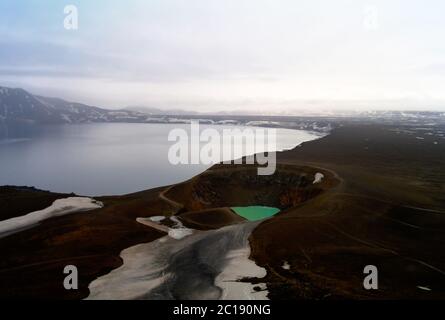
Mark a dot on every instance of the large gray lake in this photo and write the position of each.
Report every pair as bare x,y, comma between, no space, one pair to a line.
102,159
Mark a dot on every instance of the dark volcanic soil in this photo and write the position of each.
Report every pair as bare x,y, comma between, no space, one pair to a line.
382,203
389,211
18,201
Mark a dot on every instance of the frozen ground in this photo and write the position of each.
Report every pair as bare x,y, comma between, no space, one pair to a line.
203,265
60,207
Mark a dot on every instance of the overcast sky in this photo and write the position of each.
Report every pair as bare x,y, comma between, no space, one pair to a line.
209,55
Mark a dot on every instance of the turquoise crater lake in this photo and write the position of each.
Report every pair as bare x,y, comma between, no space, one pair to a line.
254,213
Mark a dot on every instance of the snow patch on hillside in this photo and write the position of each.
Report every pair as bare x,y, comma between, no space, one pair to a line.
318,177
59,207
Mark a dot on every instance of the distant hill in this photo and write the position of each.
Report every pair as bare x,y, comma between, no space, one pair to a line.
155,111
20,106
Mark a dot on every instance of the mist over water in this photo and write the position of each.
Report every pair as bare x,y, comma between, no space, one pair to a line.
102,159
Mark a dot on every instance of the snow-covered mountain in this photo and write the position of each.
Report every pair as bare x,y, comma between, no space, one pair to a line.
20,106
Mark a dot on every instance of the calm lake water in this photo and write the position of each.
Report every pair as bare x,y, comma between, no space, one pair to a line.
102,159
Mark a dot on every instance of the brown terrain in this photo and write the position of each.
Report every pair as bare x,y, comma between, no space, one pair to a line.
381,202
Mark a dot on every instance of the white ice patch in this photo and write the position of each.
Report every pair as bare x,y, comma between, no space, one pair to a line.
140,273
286,265
178,223
66,118
167,268
239,266
424,288
59,207
318,177
157,218
180,233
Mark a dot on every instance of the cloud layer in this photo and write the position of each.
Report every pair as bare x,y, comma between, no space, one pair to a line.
250,54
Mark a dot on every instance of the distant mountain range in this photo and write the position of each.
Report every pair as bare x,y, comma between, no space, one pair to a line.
156,112
18,106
